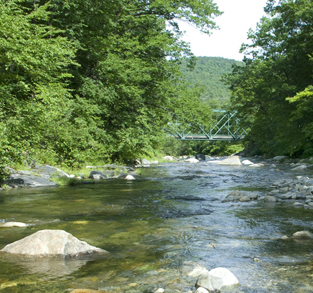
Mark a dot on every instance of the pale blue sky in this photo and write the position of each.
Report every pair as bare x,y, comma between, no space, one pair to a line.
239,16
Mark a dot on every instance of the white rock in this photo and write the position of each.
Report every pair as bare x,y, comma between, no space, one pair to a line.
193,269
130,177
192,160
12,224
216,279
145,162
168,158
231,161
49,243
303,235
299,168
160,290
71,176
201,290
257,165
246,163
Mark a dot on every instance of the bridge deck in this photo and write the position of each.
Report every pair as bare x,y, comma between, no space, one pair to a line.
214,138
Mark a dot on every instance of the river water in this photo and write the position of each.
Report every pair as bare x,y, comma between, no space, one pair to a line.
174,213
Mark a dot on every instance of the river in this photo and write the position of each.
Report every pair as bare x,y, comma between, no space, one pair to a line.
151,226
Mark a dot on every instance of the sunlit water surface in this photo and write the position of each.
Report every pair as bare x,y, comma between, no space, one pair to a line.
172,214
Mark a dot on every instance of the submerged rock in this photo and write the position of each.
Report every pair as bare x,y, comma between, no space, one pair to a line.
233,196
270,198
49,243
193,269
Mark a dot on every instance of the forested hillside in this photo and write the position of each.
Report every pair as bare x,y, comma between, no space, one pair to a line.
83,81
273,92
207,73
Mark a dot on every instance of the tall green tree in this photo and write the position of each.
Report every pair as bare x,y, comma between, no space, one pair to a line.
34,64
129,65
277,66
90,80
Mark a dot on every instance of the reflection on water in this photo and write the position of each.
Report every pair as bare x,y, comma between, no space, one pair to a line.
151,226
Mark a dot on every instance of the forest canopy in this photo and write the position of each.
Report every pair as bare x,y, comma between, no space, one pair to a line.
93,80
274,90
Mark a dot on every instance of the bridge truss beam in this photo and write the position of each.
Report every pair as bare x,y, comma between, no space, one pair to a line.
225,129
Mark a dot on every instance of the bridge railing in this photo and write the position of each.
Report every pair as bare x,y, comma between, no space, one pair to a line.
226,128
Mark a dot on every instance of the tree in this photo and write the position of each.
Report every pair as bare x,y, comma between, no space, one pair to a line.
34,64
277,66
93,80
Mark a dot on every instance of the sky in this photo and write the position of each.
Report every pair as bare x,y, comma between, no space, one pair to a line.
238,17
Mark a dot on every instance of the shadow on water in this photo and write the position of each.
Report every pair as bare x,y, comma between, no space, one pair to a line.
151,226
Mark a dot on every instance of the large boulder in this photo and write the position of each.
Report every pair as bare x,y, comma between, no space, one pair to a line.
51,243
216,279
200,157
97,175
231,161
18,180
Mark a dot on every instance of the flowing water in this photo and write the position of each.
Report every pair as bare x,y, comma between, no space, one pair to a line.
174,213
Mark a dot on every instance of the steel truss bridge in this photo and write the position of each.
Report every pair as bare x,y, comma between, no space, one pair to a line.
225,129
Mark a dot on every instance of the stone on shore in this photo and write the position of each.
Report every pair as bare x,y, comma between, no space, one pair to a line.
216,279
231,161
145,162
280,158
18,180
246,163
192,160
130,177
97,175
51,243
86,291
12,224
299,168
168,158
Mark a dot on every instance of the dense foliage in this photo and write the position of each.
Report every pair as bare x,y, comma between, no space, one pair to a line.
274,89
207,74
93,80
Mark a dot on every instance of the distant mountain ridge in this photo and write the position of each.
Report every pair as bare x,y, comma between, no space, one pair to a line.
207,73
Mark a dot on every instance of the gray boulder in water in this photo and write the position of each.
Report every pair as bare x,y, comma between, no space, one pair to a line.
51,243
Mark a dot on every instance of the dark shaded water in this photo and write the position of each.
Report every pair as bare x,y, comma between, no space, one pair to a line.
151,226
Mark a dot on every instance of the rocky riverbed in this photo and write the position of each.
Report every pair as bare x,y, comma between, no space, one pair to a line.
174,223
